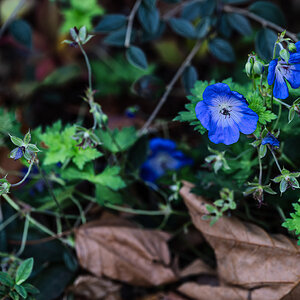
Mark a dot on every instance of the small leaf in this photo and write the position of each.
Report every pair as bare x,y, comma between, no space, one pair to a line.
149,18
22,33
27,138
150,3
111,22
117,38
82,34
14,295
283,185
222,50
136,57
183,27
262,151
16,141
268,11
21,291
24,271
264,43
31,289
239,23
33,148
189,78
6,279
202,28
191,10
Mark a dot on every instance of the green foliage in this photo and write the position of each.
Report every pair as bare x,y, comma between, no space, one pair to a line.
293,223
8,124
120,72
118,140
80,14
61,147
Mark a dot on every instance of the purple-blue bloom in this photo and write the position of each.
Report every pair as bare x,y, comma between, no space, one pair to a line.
164,156
17,153
279,70
225,113
271,140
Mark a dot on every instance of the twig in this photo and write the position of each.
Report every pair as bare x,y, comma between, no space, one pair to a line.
170,87
12,16
262,21
130,22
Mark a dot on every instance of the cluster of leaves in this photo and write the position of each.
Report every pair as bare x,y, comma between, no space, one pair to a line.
12,282
293,223
8,123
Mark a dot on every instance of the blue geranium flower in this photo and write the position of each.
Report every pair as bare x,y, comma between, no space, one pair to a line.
271,140
279,70
164,156
225,113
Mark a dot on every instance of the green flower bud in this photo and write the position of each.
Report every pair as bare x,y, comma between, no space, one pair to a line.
292,47
249,68
258,68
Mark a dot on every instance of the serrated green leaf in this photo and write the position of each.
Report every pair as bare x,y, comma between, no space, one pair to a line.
6,279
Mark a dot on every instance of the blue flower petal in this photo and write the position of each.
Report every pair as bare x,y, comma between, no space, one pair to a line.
298,46
227,135
280,90
203,114
293,76
271,71
248,122
19,153
158,144
148,173
294,58
271,140
239,96
215,91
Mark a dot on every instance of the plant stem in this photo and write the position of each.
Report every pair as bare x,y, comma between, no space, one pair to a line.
8,221
278,117
88,66
24,237
130,23
260,168
25,177
282,103
281,213
170,87
275,159
262,21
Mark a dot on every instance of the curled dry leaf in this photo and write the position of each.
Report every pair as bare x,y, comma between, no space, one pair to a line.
136,256
93,288
197,267
247,256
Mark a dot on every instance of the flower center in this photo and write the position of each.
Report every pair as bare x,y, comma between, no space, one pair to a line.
225,111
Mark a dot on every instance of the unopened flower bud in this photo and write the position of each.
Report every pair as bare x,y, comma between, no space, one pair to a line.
258,68
249,68
292,47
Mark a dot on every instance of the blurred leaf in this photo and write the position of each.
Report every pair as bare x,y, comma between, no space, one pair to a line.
104,194
169,52
6,279
24,271
268,11
208,7
118,140
62,75
264,43
222,50
239,23
202,28
22,33
135,256
183,27
117,38
21,291
8,6
149,18
137,57
110,23
189,78
149,87
191,10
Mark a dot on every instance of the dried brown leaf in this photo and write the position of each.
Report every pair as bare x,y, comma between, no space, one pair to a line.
247,256
197,267
136,256
93,288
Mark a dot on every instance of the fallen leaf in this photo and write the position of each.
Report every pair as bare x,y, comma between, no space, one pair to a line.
197,267
161,296
247,256
132,255
93,288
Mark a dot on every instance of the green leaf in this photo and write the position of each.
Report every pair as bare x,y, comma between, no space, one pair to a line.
149,18
27,138
110,178
82,156
111,22
268,11
118,140
136,57
31,289
106,195
222,50
21,291
117,38
6,279
239,23
24,271
283,185
14,295
262,151
202,28
189,78
22,32
293,223
183,27
16,141
264,43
